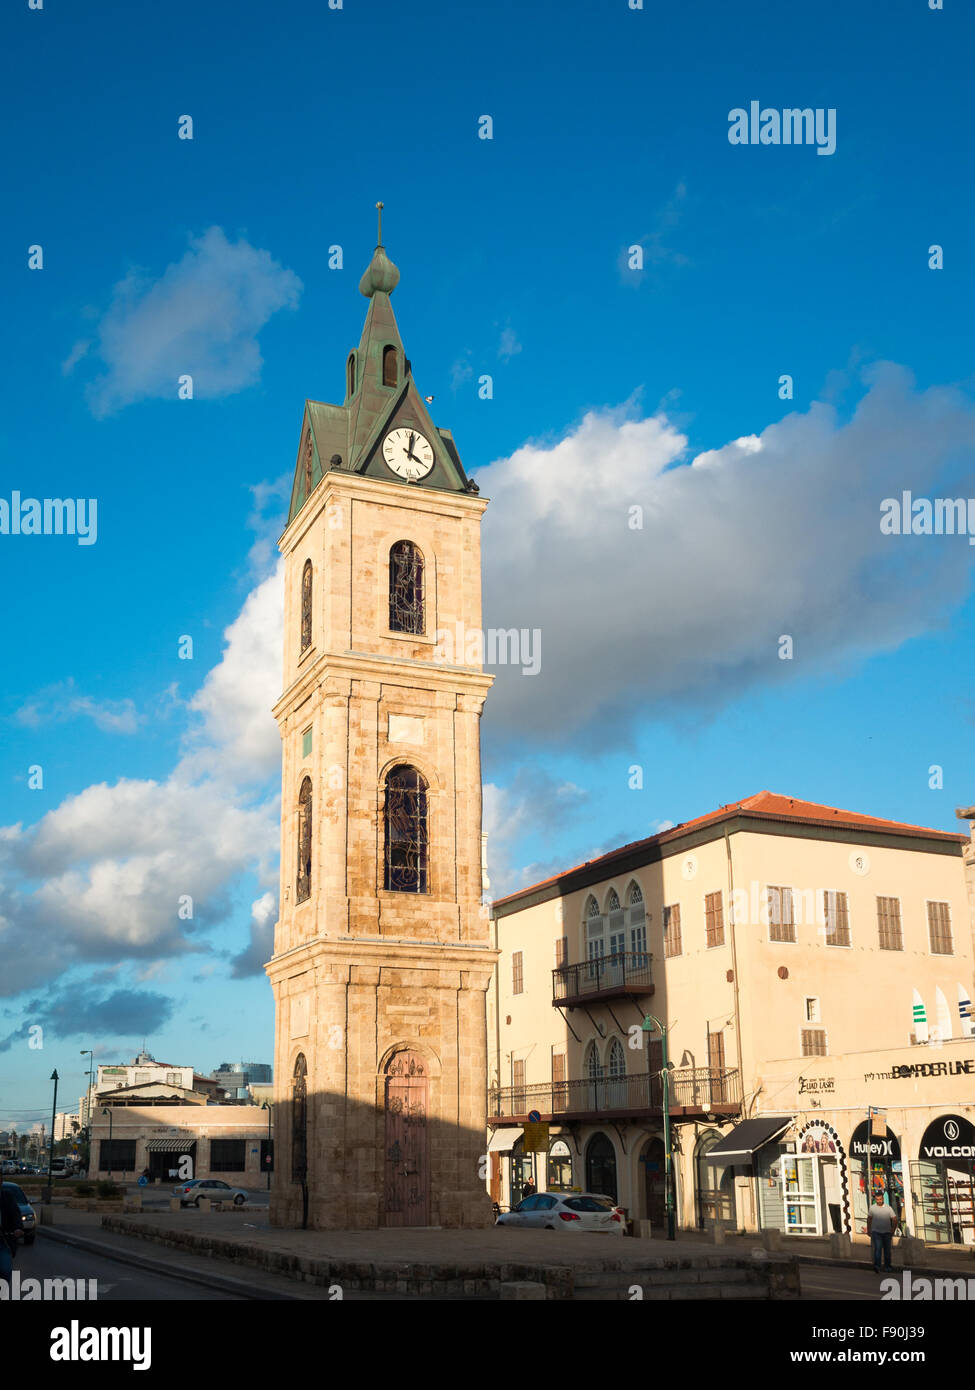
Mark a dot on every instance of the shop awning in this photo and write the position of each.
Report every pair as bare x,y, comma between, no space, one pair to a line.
503,1140
740,1145
169,1146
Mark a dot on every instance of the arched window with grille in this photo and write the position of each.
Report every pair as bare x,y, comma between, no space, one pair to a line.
389,366
303,883
306,588
299,1120
595,941
406,831
636,923
593,1068
406,597
616,1085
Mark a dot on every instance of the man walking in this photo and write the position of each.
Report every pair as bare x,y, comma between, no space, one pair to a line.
882,1222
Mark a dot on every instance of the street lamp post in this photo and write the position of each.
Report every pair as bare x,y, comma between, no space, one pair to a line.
267,1156
107,1110
89,1053
649,1024
50,1157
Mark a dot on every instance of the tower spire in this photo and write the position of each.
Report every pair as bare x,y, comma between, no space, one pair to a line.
379,209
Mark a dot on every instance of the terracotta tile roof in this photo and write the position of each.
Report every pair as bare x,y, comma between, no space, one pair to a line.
764,805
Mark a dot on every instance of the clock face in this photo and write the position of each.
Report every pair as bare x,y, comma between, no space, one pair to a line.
408,454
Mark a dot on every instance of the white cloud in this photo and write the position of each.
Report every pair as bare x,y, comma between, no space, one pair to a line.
509,346
238,741
61,702
201,318
774,534
103,875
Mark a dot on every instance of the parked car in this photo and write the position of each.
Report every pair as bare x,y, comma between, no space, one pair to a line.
28,1220
189,1193
567,1211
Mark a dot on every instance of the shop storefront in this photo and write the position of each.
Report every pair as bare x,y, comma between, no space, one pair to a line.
943,1182
875,1166
814,1183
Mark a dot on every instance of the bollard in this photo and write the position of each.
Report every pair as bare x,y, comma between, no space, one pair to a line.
204,1204
840,1245
174,1204
47,1214
718,1233
772,1240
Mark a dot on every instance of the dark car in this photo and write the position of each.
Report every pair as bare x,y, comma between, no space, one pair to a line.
28,1221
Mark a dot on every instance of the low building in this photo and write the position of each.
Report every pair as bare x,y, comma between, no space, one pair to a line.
810,966
180,1137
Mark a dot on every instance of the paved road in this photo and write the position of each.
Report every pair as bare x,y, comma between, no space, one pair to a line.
820,1282
116,1282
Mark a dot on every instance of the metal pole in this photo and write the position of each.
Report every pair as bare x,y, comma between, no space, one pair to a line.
668,1162
50,1157
267,1156
108,1111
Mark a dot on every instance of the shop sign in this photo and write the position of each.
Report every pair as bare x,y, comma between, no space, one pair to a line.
950,1136
961,1067
816,1139
863,1145
817,1085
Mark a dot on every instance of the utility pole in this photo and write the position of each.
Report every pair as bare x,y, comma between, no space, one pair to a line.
50,1158
649,1024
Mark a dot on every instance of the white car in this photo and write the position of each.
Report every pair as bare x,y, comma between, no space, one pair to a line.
189,1193
567,1211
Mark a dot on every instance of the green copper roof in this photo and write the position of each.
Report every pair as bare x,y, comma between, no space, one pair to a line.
380,274
349,436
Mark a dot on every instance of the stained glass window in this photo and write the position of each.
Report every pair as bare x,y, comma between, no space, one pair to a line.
406,831
405,588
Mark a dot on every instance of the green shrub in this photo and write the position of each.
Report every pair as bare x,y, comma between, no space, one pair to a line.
84,1189
107,1188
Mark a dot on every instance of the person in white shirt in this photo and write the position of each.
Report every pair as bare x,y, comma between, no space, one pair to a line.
882,1222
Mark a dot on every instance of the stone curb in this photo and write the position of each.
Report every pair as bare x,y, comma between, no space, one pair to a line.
221,1282
477,1278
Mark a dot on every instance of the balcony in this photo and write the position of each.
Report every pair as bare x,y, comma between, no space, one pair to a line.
693,1090
604,977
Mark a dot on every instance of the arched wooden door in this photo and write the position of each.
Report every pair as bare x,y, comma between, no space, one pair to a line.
407,1162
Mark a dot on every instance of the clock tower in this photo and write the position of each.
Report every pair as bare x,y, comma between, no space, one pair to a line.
382,950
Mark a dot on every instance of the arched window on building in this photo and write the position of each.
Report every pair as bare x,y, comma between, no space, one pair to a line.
406,588
559,1167
615,1087
389,366
306,584
299,1120
406,831
615,940
595,942
350,375
593,1070
636,923
303,884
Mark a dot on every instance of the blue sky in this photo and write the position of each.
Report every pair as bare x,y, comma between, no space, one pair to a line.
659,645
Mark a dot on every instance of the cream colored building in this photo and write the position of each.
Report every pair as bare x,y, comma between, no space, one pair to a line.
808,964
181,1138
382,951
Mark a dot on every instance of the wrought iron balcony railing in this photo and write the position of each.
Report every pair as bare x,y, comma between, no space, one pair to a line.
626,972
692,1089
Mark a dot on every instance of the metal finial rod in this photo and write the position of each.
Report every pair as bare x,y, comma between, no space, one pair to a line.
379,209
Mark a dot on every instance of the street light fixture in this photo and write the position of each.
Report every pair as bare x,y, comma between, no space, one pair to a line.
651,1024
107,1110
267,1156
50,1155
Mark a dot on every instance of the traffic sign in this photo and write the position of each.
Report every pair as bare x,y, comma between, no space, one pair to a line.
534,1117
536,1139
143,1181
